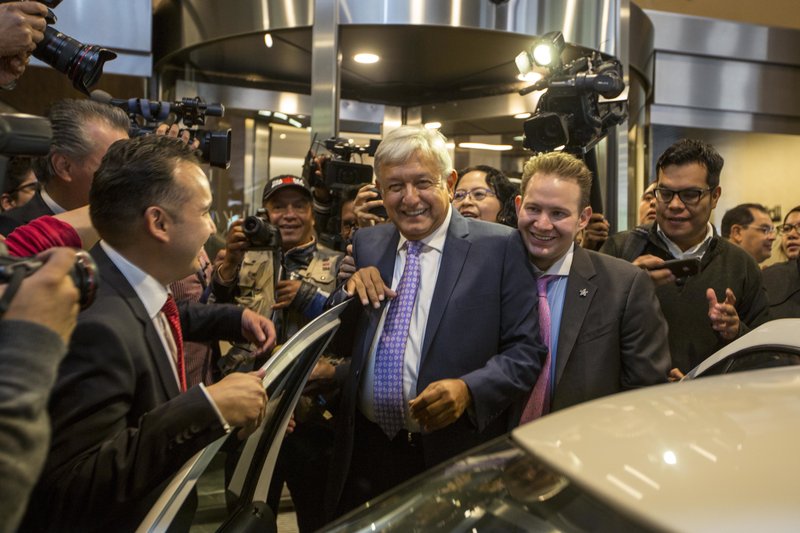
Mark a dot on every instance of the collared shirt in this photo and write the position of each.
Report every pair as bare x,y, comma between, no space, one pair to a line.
697,250
54,207
556,291
430,260
153,295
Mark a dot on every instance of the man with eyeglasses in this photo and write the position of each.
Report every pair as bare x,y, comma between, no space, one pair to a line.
20,183
726,298
749,227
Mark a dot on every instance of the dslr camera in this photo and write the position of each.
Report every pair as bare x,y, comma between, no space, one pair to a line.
145,115
260,233
82,63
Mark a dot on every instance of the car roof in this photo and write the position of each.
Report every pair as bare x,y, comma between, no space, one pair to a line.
713,454
782,333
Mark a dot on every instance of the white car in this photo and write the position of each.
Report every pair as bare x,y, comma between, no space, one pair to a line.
702,455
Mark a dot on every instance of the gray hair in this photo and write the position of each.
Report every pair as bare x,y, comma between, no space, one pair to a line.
403,143
68,118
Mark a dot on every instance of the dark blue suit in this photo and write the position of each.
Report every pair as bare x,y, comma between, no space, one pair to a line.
482,328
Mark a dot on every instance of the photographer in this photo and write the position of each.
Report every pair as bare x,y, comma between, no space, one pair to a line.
34,332
309,268
22,27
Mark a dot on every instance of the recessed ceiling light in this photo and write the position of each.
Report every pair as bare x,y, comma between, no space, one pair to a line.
268,40
265,113
522,116
366,58
530,77
282,136
485,146
433,125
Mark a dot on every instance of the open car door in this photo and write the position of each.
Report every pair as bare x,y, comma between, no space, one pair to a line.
239,503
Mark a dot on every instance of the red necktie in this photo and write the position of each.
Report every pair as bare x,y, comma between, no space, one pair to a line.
170,311
538,403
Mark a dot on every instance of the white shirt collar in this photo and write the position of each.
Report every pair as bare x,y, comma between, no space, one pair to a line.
436,239
697,250
562,266
54,207
147,288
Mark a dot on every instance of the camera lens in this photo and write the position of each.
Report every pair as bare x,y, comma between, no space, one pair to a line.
82,63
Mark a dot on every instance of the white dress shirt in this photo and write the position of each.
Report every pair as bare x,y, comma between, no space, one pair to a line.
430,260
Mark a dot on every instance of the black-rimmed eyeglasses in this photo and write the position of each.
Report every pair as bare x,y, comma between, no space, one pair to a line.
32,187
687,196
787,228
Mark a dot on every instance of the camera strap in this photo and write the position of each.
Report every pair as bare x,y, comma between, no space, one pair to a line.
11,289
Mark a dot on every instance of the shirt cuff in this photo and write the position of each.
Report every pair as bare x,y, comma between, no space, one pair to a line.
225,425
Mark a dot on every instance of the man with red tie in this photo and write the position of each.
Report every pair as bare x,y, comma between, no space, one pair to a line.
598,315
123,419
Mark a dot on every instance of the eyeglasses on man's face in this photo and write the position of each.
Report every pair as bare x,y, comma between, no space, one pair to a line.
787,228
477,195
687,196
766,230
30,188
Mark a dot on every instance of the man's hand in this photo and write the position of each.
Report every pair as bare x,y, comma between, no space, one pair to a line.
367,199
22,27
369,286
286,292
723,315
241,399
49,297
596,232
258,330
174,130
236,244
675,375
440,404
660,276
12,67
348,265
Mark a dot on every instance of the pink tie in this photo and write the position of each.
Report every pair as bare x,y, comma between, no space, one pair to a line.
538,403
170,311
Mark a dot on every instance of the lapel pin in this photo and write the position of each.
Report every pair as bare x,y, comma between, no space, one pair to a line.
584,293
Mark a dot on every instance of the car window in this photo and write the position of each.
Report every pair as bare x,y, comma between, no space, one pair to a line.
232,478
497,487
754,359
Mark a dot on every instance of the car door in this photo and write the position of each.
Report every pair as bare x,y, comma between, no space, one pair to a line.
227,482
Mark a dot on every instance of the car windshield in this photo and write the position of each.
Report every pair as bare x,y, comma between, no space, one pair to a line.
497,487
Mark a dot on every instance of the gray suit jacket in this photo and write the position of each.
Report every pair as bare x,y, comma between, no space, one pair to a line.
482,328
613,336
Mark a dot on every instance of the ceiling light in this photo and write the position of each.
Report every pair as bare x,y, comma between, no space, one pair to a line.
522,116
282,136
295,123
366,58
433,125
265,113
268,40
530,77
485,146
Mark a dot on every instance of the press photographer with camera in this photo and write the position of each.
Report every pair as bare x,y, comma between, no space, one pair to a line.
34,332
22,26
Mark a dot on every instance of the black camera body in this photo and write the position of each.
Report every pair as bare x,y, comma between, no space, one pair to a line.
145,115
338,171
260,233
82,63
83,274
570,113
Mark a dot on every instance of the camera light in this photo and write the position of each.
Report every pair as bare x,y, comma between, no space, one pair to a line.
366,58
543,54
546,51
524,63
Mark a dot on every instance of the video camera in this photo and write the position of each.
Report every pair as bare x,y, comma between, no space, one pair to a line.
82,63
145,116
260,233
339,171
571,113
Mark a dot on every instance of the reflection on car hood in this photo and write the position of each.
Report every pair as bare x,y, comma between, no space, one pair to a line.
712,454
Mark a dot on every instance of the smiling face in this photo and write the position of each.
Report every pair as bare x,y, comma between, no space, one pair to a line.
549,217
485,209
415,197
753,239
685,225
790,242
290,210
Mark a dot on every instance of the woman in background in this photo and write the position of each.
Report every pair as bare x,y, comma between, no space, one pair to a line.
485,193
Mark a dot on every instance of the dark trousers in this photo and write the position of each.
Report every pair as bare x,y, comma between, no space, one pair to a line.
378,463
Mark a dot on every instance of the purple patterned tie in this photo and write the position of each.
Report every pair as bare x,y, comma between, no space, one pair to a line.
388,387
538,403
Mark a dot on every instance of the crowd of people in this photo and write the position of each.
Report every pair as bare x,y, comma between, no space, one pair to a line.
476,305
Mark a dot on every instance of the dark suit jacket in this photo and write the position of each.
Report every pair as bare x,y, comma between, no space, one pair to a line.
612,339
482,328
782,282
18,216
120,427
